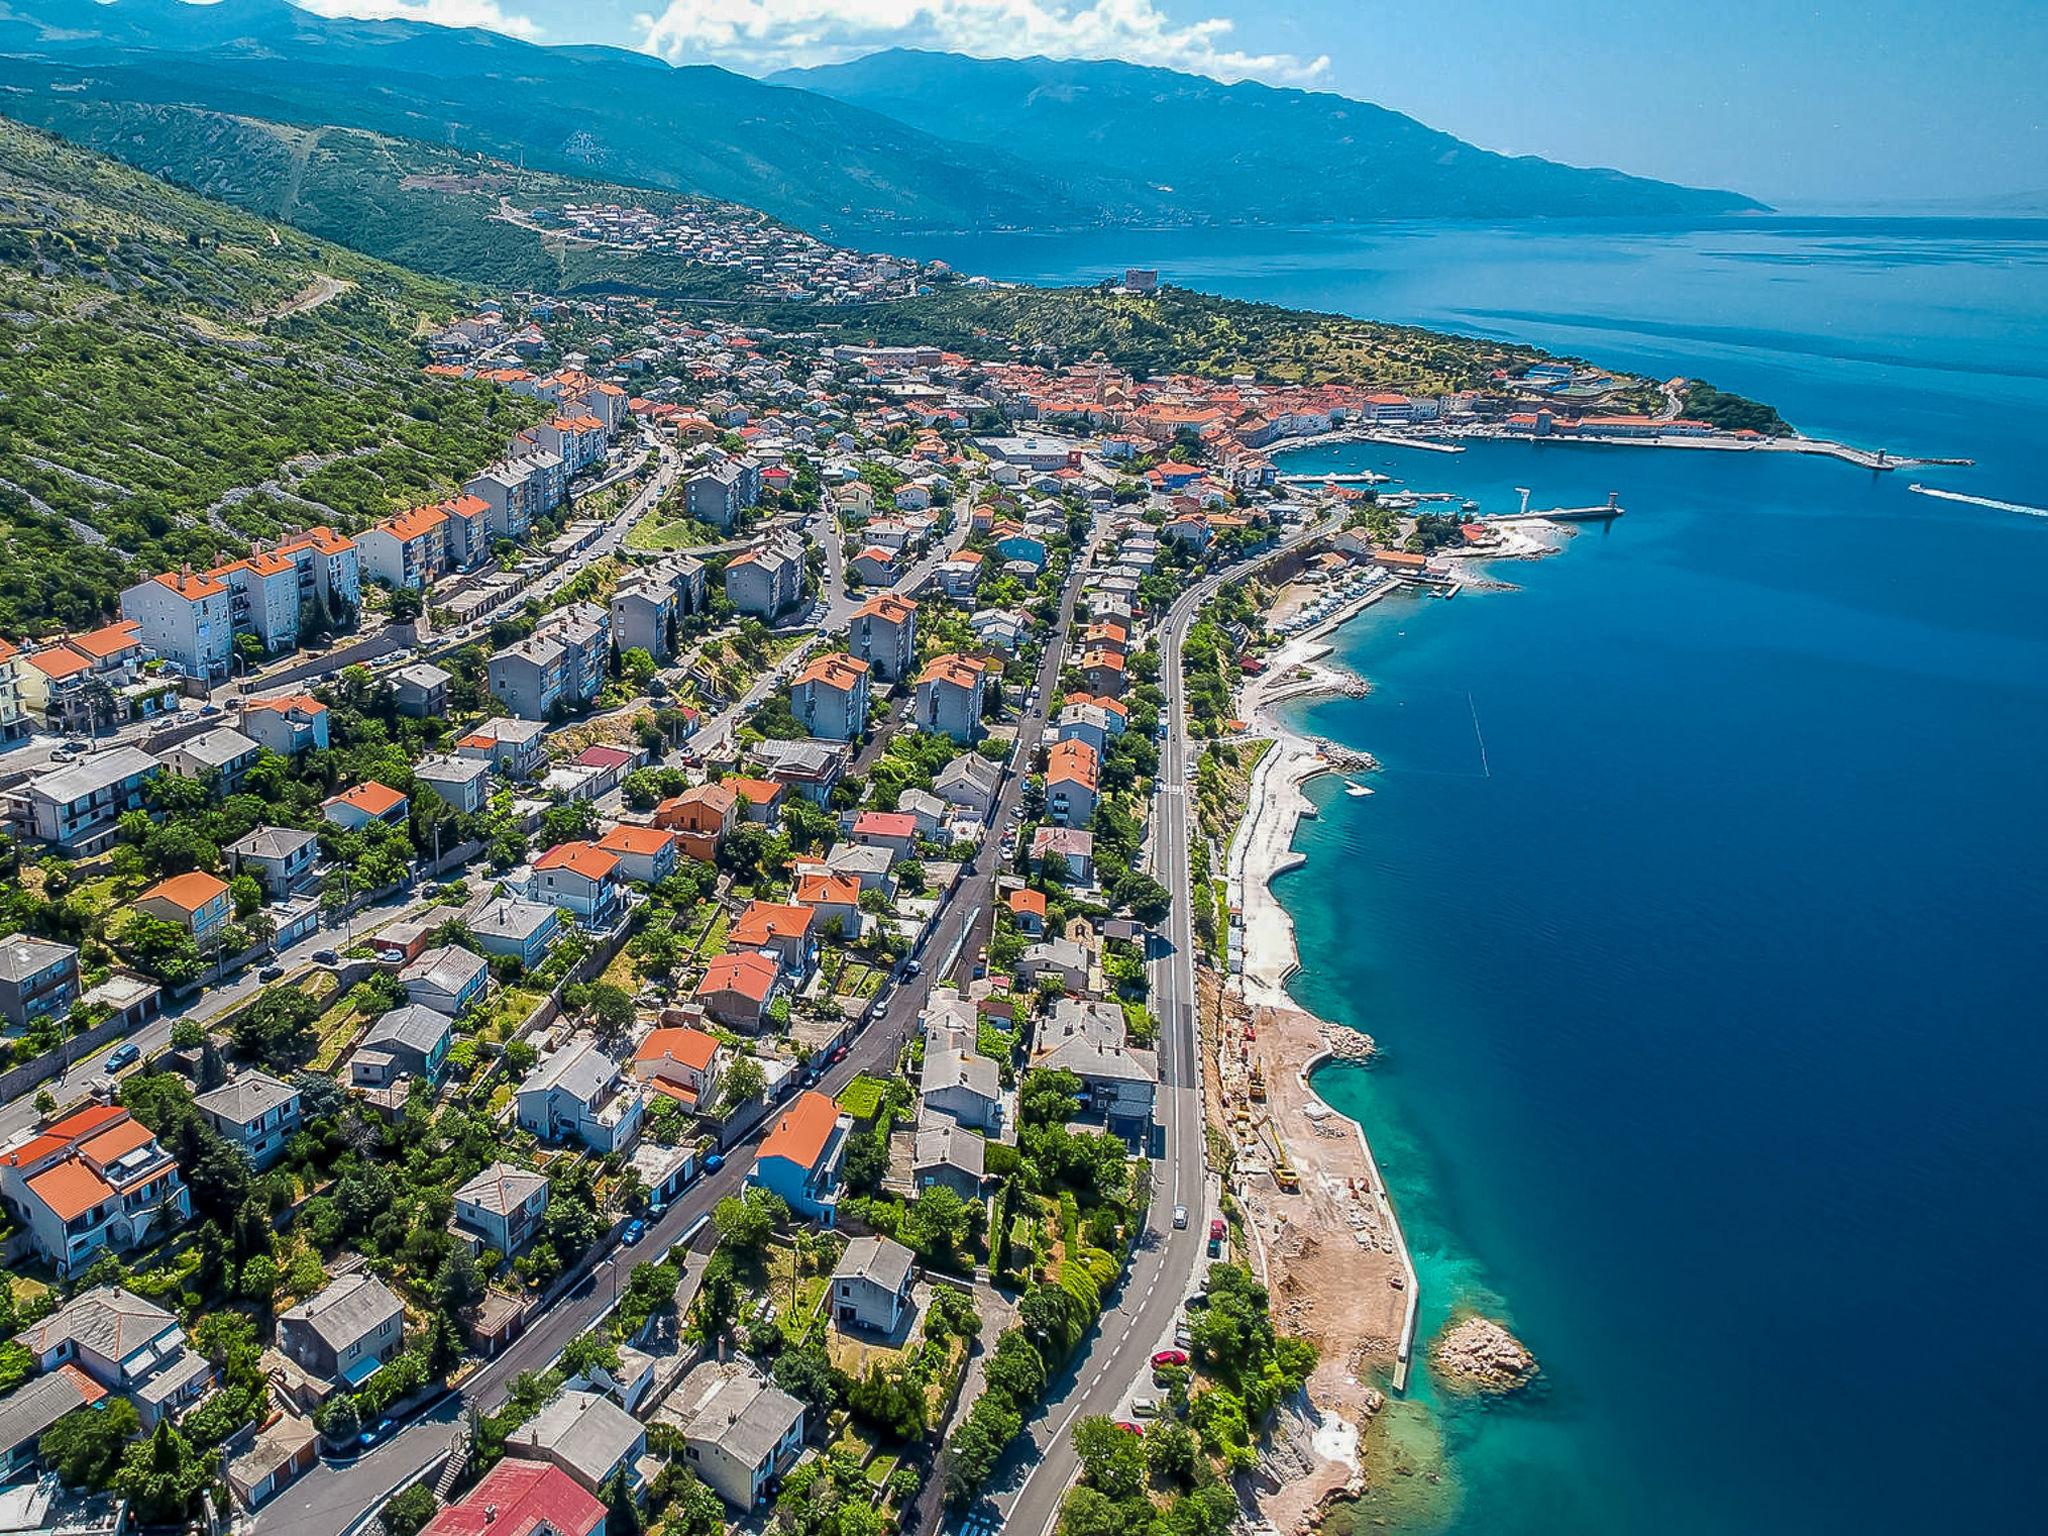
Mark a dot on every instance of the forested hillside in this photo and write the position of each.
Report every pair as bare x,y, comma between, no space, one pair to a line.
181,378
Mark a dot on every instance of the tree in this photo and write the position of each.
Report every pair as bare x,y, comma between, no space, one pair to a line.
743,1082
1170,1455
1112,1459
1016,1368
85,1447
588,1353
405,1513
163,1475
406,605
622,1512
809,1376
748,1220
611,1007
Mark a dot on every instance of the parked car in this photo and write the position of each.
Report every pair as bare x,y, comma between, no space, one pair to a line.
1144,1407
271,972
1129,1428
714,1161
126,1054
914,968
1167,1357
326,957
635,1230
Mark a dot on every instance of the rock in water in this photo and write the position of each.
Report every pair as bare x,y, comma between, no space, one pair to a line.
1477,1354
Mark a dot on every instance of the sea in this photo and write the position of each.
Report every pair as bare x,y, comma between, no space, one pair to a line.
1701,911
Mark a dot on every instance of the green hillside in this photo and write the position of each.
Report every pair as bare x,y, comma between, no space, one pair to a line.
182,378
424,206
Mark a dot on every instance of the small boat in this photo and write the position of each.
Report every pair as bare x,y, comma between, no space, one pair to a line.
1353,787
1470,506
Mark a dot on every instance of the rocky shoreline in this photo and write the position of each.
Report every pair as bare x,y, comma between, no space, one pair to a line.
1475,1354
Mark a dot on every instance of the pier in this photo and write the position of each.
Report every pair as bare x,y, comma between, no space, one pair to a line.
1362,477
1599,514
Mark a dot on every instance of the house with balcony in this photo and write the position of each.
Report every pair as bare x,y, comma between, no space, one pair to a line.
197,902
950,694
357,807
580,1094
718,493
830,697
263,598
94,1181
409,550
738,988
801,1156
883,633
583,880
586,1435
514,748
283,860
872,1284
38,979
530,678
740,1432
186,619
287,725
681,1063
512,926
501,1208
463,782
584,632
329,571
405,1043
1073,783
780,930
449,980
222,755
345,1333
254,1113
76,809
125,1345
421,691
699,819
767,579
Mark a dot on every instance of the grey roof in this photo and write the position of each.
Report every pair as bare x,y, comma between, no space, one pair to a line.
449,968
423,675
272,843
741,1412
588,1432
578,1069
1092,1059
946,1067
415,1025
1063,953
218,747
501,1188
169,1381
353,1306
1086,1019
858,858
949,1145
809,756
879,1260
507,917
100,771
247,1098
29,1410
536,649
510,728
22,957
973,766
458,770
110,1322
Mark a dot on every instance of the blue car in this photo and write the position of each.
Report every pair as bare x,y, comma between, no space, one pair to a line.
714,1161
635,1230
122,1055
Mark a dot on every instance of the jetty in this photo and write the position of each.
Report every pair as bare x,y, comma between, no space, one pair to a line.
1361,477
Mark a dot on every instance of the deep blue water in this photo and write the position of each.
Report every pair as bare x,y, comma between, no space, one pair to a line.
1700,910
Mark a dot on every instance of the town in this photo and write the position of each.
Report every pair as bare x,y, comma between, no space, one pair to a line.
660,986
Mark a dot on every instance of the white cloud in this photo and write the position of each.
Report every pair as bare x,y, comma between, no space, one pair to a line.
786,32
487,14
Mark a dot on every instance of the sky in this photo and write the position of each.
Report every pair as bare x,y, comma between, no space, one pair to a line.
1804,103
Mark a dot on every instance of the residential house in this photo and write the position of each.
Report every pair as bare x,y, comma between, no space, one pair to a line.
682,1063
263,598
512,926
221,755
927,810
282,859
870,866
29,1410
94,1180
1061,958
127,1346
254,1113
1065,853
958,576
801,1156
409,550
38,978
875,566
830,697
946,1153
582,879
448,980
406,1042
501,1207
513,747
950,693
740,1434
970,782
346,1332
883,633
579,1093
186,620
197,902
645,854
1088,1038
1027,911
894,830
1073,780
530,677
584,632
287,725
356,808
586,1435
463,782
1102,668
808,768
871,1284
760,799
699,819
518,1497
765,580
833,898
782,931
421,690
718,493
738,987
961,1085
999,629
75,809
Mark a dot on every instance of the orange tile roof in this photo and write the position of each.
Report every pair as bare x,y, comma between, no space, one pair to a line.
586,859
323,539
886,605
190,587
762,921
690,1048
960,671
373,799
189,891
60,661
631,839
834,890
467,506
1071,761
415,523
749,974
110,640
837,670
88,1390
8,649
804,1130
1028,900
70,1189
305,703
75,1127
116,1142
756,791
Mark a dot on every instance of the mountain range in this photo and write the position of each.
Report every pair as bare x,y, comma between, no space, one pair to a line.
899,141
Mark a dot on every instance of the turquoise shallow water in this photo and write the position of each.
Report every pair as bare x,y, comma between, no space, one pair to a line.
1710,995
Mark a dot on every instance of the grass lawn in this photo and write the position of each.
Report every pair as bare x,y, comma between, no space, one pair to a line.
858,980
862,1098
660,529
340,1024
714,936
508,1010
794,1317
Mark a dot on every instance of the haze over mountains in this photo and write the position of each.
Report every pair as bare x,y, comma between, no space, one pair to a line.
898,141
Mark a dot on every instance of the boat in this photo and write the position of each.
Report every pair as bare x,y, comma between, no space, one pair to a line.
1353,787
1470,506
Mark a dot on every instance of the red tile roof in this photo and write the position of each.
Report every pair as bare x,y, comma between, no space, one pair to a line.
750,974
372,799
631,839
586,859
189,891
518,1498
762,921
804,1130
690,1048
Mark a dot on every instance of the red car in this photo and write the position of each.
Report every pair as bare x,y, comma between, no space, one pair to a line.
1170,1357
1130,1428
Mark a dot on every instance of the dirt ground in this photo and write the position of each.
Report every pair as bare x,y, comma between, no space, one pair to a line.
1328,1250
